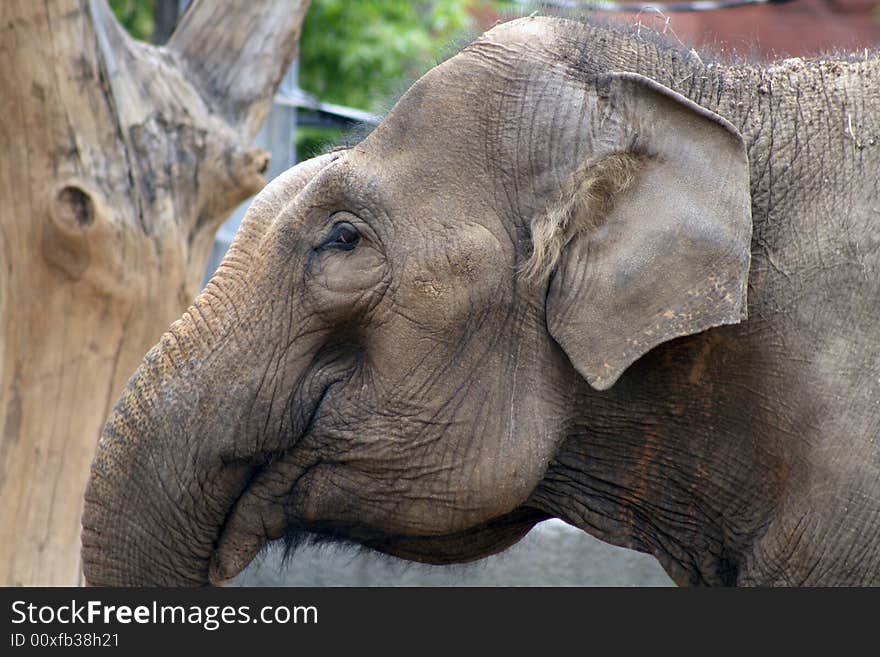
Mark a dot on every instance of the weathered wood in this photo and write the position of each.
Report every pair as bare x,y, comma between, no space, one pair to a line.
242,90
119,161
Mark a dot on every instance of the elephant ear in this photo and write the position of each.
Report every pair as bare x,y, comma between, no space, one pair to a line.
670,255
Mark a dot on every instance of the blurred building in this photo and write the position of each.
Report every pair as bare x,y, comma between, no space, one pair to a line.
800,28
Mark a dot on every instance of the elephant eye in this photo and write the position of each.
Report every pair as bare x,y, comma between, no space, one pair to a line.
343,236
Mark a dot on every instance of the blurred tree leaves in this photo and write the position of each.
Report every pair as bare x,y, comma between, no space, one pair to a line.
136,16
355,53
359,53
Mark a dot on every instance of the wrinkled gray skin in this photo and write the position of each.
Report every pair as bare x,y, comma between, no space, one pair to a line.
417,395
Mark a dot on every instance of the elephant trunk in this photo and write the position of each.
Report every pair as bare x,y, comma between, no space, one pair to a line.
195,427
180,472
164,477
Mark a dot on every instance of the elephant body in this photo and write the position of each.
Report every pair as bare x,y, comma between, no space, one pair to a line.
574,273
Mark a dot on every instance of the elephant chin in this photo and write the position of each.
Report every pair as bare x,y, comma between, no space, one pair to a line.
240,542
461,547
235,551
261,514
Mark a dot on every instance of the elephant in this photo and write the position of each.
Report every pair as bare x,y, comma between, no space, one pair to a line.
574,273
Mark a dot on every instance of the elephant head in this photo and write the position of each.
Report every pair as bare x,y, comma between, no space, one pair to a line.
389,350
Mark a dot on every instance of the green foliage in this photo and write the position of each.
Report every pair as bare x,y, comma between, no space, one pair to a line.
314,141
136,16
358,53
354,53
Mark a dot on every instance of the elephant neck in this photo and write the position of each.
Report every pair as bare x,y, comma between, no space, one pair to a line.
686,457
804,122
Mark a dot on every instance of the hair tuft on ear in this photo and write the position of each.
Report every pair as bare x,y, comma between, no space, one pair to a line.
582,205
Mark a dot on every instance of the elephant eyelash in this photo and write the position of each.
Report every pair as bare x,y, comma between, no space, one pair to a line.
343,237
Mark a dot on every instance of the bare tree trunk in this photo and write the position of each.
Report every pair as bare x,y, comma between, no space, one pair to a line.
119,162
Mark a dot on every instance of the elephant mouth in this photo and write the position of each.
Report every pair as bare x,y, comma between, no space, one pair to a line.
257,517
260,513
266,510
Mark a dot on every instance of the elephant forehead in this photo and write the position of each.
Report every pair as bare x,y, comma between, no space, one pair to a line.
422,194
495,121
440,128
